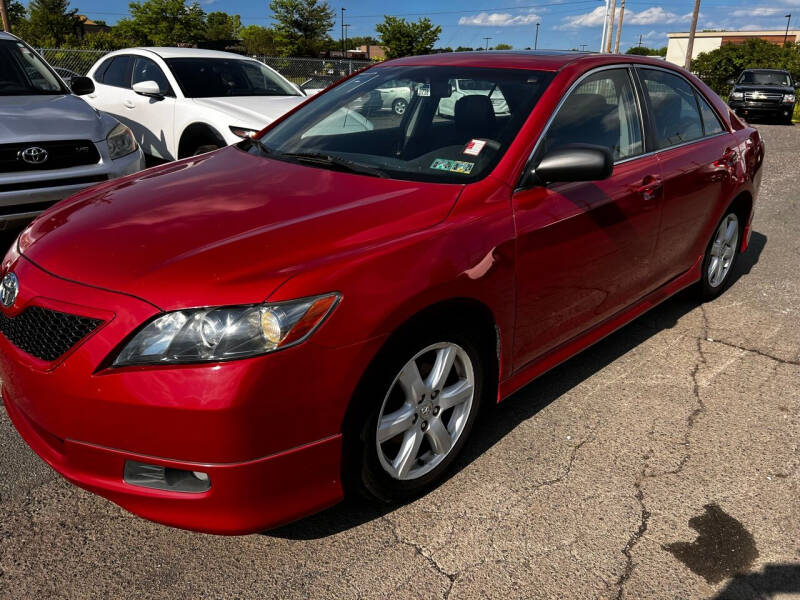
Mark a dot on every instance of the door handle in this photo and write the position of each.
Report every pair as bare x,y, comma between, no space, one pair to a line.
129,104
650,189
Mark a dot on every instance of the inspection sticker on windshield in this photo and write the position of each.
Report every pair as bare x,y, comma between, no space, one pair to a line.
474,147
454,166
424,89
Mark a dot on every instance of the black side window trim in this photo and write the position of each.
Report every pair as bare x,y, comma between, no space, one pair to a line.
101,70
128,71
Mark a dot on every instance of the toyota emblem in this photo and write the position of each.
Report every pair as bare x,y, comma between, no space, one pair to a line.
34,155
9,288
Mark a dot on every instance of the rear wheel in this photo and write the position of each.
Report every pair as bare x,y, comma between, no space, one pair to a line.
399,106
720,257
414,414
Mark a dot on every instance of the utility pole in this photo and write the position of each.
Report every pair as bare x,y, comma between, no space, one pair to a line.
4,15
619,27
610,35
785,36
346,25
690,44
343,9
487,43
640,40
535,41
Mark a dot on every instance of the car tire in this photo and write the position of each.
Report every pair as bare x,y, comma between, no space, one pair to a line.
373,465
721,254
399,106
787,120
205,148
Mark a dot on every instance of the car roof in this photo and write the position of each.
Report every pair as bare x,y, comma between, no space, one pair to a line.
766,70
6,36
165,52
542,60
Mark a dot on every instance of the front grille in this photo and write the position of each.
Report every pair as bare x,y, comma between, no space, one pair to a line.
51,183
61,154
763,97
46,334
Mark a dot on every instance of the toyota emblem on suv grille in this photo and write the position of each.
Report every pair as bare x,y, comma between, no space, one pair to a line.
34,155
9,288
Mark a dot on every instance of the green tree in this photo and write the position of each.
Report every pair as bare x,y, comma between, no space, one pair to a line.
163,23
222,26
50,23
503,47
463,49
358,41
301,26
106,40
258,40
727,62
16,14
404,38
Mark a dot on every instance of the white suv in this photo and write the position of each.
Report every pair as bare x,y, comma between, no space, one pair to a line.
52,143
181,102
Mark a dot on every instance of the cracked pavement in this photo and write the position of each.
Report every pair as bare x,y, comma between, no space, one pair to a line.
574,488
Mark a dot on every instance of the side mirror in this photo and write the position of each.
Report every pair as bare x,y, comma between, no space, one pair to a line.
82,86
576,162
148,88
730,82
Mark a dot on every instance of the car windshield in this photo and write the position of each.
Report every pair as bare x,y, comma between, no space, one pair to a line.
23,73
765,78
223,77
410,122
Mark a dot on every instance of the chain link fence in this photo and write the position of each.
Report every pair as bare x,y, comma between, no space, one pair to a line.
297,70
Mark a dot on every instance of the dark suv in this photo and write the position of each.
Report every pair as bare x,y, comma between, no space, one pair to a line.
764,93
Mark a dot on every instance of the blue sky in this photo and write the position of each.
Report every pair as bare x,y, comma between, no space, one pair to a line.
564,24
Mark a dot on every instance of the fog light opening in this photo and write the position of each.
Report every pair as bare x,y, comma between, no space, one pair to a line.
158,477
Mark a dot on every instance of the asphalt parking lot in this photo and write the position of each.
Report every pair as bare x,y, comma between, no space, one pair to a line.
661,463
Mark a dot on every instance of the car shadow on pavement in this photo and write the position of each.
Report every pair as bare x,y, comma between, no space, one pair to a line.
527,402
772,581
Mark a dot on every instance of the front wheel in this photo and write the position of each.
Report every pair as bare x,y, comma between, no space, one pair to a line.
415,415
720,257
204,149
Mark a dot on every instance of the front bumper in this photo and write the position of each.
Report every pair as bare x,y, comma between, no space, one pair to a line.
265,429
759,109
26,194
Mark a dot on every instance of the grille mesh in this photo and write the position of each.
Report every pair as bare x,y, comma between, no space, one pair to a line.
46,334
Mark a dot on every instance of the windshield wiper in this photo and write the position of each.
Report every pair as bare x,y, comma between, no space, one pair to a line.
328,160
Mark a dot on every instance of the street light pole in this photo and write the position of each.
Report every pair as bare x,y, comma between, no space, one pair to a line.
785,36
346,25
343,9
535,41
487,43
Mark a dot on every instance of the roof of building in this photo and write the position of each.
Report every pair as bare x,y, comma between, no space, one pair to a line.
753,33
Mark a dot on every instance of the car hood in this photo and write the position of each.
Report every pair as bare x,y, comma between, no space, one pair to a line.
252,111
45,117
224,228
780,89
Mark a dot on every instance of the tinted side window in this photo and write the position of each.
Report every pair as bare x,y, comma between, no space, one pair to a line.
602,111
675,115
145,69
117,73
101,70
710,118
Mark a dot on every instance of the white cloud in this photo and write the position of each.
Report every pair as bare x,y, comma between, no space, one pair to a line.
650,16
756,12
499,19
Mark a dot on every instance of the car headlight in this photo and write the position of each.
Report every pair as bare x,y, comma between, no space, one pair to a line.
243,132
789,98
737,95
216,334
120,142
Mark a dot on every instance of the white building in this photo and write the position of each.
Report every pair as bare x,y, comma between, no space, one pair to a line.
706,41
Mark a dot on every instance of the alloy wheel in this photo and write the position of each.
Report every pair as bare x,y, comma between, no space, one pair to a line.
723,250
425,411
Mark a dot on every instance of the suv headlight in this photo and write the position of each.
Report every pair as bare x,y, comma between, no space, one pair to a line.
120,142
216,334
789,98
737,95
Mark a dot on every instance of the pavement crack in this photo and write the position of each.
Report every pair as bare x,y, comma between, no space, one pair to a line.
783,361
633,540
565,473
451,577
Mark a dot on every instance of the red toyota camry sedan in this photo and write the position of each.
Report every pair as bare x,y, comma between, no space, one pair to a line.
236,340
